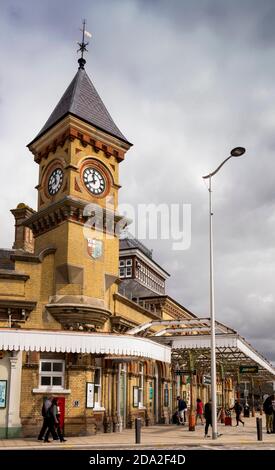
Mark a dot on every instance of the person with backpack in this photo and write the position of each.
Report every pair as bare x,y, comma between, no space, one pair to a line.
56,415
44,411
182,408
268,410
199,410
238,409
48,421
208,417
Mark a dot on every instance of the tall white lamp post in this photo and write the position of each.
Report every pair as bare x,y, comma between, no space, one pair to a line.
236,152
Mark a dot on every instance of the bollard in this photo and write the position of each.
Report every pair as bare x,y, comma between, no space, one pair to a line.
138,430
259,429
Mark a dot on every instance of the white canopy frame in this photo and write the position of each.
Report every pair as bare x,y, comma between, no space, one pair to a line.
193,335
93,343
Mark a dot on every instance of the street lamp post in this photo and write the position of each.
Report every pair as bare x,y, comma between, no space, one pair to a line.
236,152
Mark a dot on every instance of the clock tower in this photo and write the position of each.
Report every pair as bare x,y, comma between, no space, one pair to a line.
78,151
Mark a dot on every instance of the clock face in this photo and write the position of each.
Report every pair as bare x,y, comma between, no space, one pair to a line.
55,181
94,181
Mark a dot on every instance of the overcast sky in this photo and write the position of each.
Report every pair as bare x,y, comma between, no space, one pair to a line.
185,81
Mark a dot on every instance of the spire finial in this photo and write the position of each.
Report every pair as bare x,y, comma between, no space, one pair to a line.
83,45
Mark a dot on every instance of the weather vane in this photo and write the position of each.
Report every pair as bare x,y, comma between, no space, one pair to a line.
83,45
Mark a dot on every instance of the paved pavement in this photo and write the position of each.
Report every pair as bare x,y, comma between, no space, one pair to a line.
159,437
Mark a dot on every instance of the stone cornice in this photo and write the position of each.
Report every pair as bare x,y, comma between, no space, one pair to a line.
13,275
16,311
70,208
32,258
70,128
23,304
121,324
84,315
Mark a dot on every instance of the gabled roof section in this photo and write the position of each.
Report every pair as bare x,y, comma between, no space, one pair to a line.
82,101
130,242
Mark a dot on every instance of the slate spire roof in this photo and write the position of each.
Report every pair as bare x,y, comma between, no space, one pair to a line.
82,100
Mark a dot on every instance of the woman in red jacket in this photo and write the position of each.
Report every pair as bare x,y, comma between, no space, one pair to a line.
199,411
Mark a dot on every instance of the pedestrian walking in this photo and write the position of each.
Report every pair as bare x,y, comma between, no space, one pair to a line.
199,410
47,403
208,417
238,410
182,408
56,416
273,407
269,414
48,423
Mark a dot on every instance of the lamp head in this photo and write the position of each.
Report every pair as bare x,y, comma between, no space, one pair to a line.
237,152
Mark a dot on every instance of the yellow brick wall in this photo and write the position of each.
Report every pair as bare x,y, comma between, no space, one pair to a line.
130,312
11,288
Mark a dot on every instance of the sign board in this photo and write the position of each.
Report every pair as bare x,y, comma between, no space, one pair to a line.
206,380
185,372
3,393
249,369
135,396
245,393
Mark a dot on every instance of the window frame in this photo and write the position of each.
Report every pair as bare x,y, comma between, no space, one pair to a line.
97,404
52,373
122,272
129,271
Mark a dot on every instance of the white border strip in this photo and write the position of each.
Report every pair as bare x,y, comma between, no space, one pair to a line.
93,343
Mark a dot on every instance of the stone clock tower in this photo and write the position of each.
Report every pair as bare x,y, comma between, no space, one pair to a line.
78,151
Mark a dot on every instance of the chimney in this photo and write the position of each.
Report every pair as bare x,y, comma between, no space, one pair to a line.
23,235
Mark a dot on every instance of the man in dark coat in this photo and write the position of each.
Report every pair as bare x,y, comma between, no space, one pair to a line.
208,417
45,407
48,421
182,407
238,409
269,414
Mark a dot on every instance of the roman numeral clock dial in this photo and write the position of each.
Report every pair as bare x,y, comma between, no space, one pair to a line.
55,181
94,181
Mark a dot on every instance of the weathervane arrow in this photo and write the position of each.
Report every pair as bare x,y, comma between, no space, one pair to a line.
83,45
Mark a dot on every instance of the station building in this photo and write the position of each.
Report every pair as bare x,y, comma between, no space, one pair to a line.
64,309
73,293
